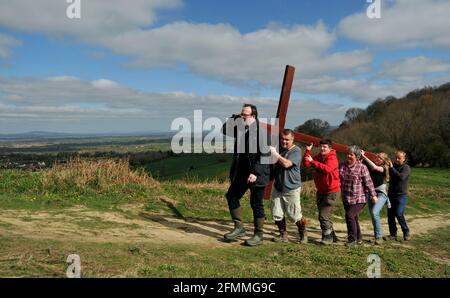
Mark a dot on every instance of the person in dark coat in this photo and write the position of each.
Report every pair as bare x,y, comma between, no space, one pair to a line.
249,170
398,190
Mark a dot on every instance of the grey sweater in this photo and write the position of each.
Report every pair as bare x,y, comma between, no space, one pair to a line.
399,180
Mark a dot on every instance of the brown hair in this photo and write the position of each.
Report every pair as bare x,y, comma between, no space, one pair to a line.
326,141
288,131
253,107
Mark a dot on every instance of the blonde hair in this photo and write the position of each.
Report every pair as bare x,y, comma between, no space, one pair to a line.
386,162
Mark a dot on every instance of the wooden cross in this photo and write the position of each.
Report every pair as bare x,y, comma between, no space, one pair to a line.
298,137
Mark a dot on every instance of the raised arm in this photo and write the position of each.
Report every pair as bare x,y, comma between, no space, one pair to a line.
307,156
284,162
229,127
403,174
370,163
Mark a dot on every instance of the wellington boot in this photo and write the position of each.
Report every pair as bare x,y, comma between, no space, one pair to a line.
257,238
238,231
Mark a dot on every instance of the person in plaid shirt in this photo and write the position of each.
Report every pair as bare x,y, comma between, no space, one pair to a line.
356,184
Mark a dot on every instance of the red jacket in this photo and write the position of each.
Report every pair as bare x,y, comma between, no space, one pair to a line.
326,175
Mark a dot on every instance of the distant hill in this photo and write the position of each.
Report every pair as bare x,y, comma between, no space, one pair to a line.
39,135
418,123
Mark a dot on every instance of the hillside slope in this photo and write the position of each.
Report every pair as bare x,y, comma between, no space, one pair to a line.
418,123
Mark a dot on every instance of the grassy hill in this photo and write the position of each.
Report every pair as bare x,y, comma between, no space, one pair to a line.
191,167
123,223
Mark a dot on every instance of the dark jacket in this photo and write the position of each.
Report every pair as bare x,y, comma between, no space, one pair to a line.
248,163
399,180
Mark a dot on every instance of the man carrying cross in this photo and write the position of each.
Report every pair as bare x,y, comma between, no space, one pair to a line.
248,171
326,178
287,188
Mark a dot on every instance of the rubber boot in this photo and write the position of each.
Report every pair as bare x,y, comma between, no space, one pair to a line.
335,238
283,237
327,237
238,231
301,225
257,238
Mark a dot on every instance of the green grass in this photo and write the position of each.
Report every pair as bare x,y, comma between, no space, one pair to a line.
24,190
427,177
20,256
47,258
192,166
210,203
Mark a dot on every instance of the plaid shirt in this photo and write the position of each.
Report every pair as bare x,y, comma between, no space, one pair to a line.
355,183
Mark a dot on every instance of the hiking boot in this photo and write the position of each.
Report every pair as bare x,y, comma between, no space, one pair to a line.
238,231
406,236
351,244
390,238
335,238
283,237
303,234
327,239
257,237
379,241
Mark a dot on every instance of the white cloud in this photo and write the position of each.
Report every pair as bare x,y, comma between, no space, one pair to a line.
62,79
217,51
98,17
6,43
103,83
405,24
222,52
410,69
58,104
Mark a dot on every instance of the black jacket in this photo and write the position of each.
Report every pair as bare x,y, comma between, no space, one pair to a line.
399,180
247,163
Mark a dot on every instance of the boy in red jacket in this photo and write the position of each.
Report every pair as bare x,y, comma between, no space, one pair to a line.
326,178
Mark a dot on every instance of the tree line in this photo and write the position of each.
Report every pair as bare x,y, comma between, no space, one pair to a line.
417,123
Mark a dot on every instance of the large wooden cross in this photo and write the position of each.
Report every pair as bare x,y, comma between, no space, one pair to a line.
298,137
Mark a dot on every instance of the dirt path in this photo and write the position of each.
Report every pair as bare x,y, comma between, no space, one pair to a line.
86,225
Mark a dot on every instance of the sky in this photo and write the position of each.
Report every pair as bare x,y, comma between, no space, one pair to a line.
135,66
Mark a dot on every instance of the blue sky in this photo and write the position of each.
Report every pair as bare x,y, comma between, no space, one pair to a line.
129,66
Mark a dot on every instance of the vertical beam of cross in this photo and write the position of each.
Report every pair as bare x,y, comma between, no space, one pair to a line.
282,111
284,96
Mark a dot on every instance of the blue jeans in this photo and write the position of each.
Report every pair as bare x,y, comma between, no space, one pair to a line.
397,211
375,210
